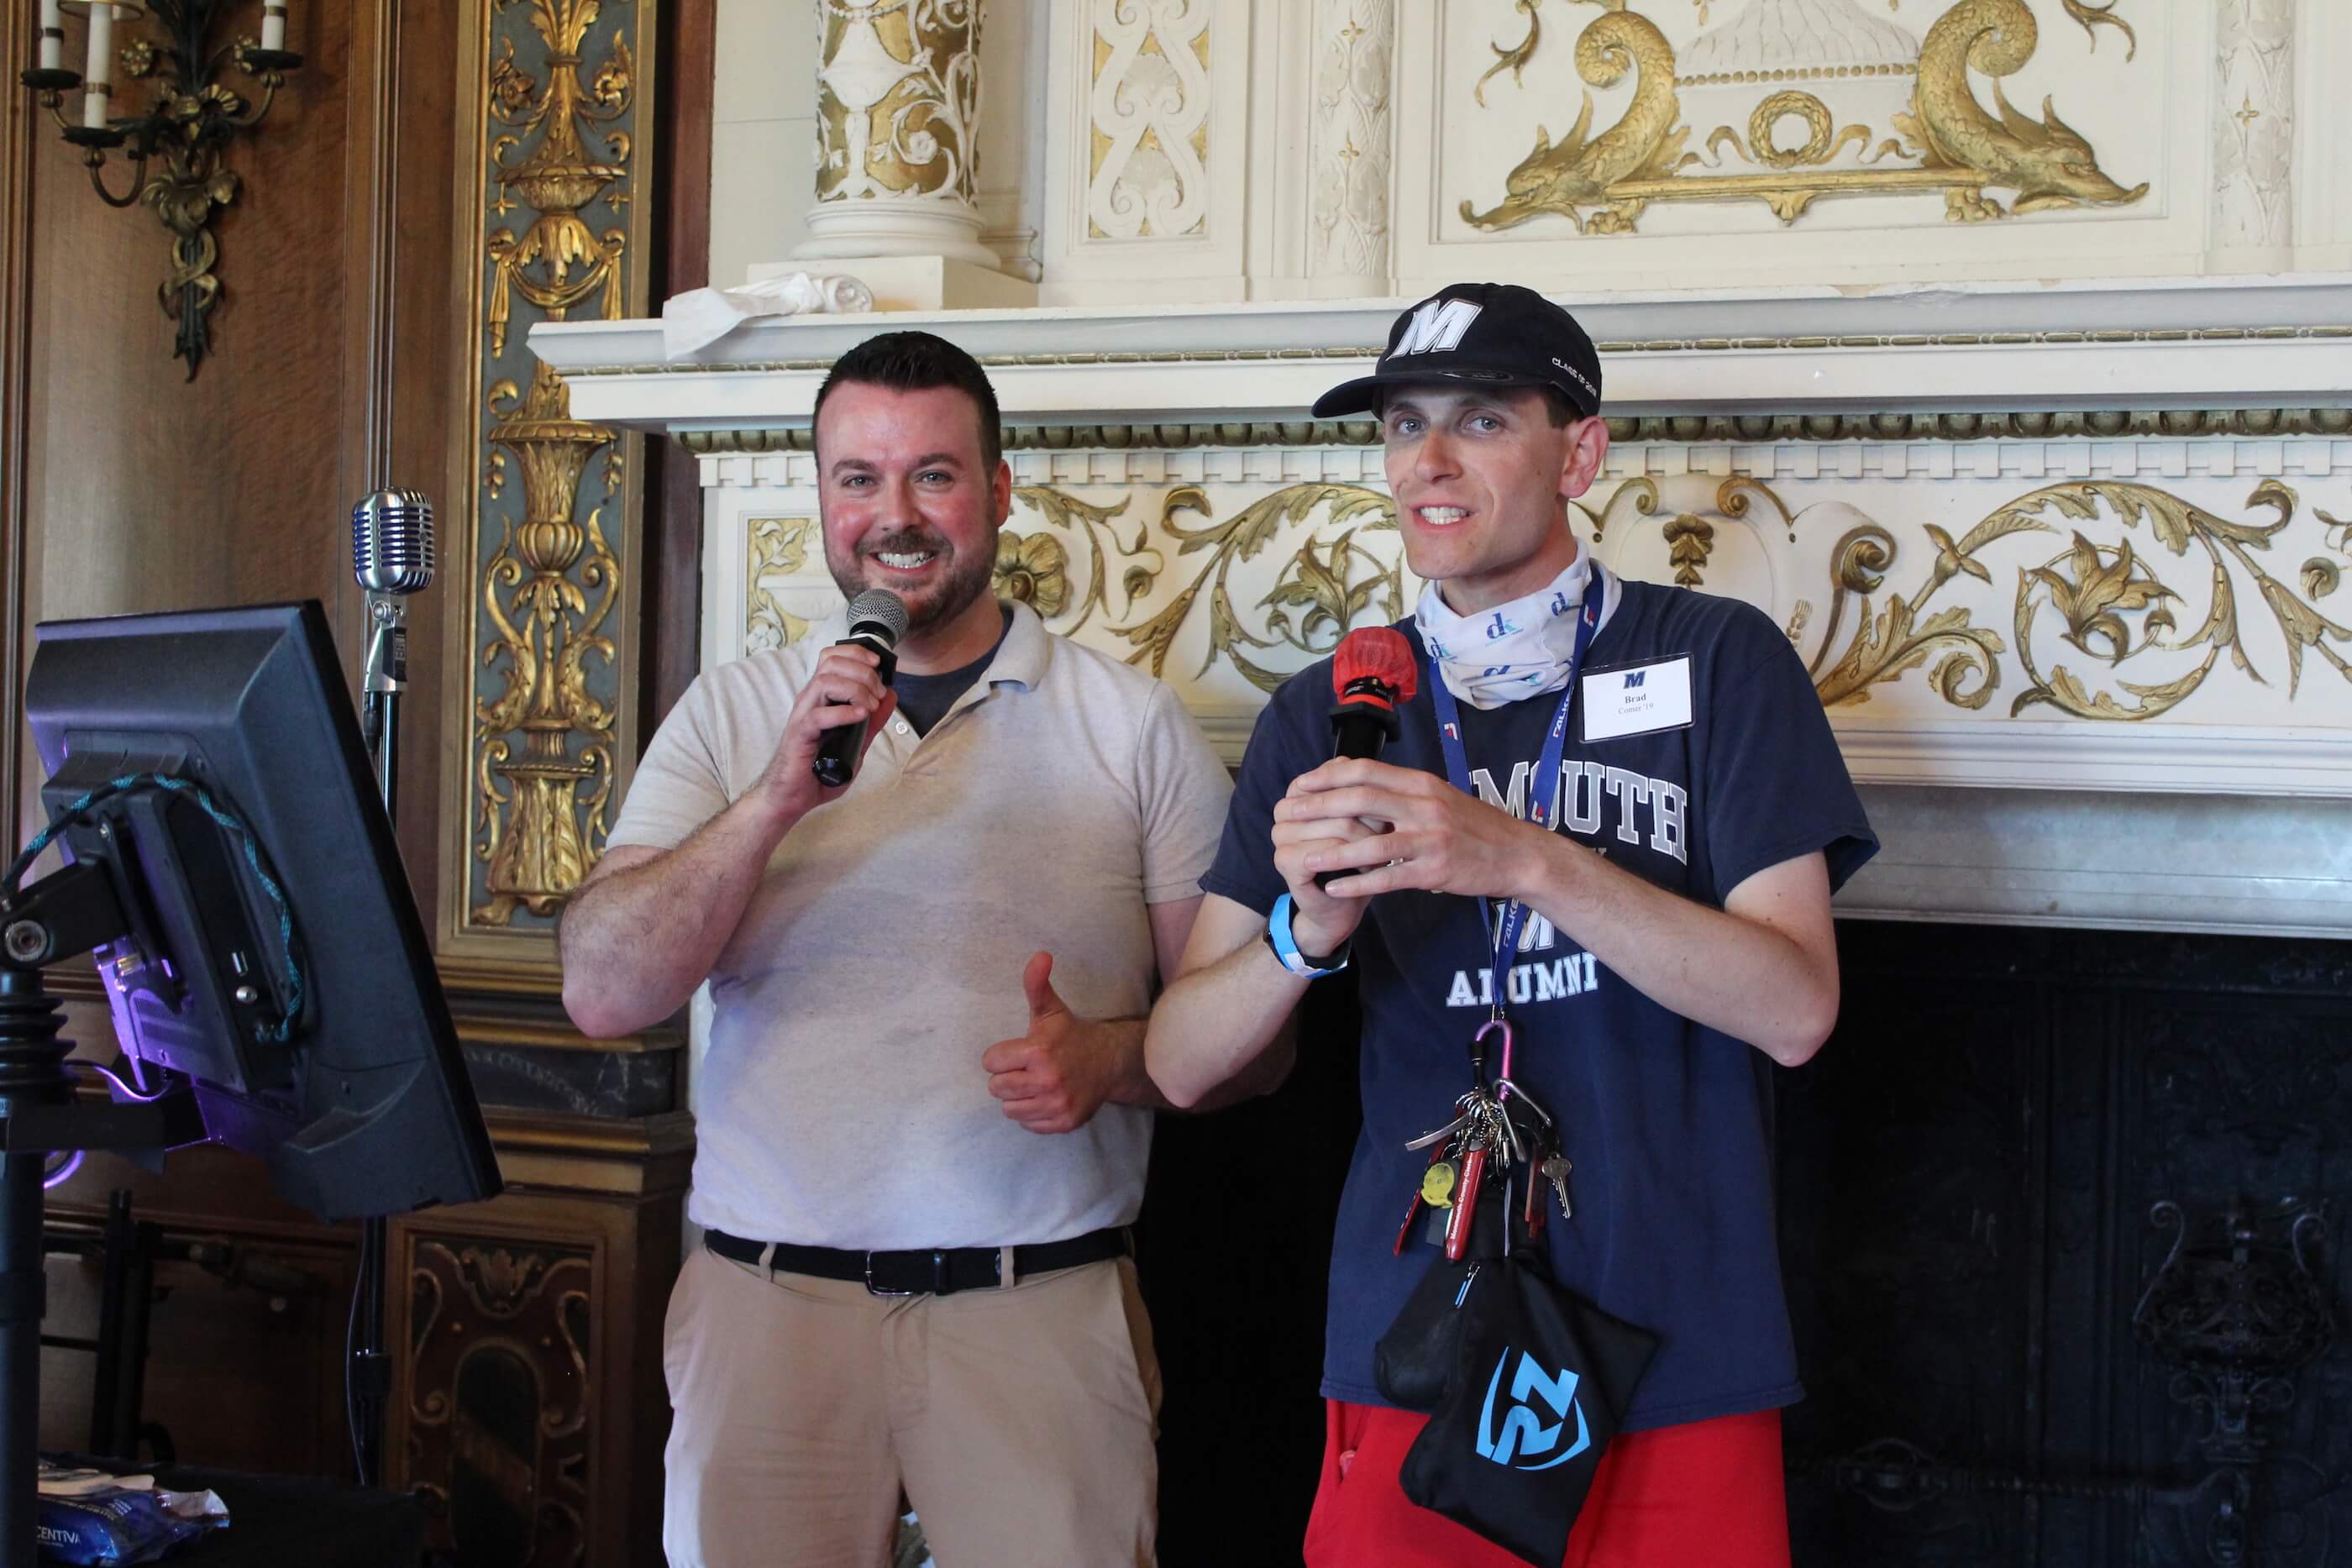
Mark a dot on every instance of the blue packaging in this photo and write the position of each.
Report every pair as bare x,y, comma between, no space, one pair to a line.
88,1518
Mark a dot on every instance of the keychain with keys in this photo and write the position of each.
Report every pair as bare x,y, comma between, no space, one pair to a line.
1435,1190
1550,1160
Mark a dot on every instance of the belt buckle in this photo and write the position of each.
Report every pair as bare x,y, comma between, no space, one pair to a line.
938,1287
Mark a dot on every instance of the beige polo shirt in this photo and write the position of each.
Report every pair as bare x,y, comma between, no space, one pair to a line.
842,1100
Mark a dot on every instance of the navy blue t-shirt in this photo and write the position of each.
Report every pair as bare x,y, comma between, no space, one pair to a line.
1667,1122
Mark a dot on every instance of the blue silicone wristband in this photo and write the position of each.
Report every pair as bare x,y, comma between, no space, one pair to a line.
1285,945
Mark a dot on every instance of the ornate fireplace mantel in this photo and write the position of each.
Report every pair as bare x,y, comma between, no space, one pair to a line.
2064,561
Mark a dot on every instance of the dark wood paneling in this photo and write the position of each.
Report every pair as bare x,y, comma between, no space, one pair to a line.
244,1346
150,491
126,487
672,637
537,1410
15,318
147,491
424,335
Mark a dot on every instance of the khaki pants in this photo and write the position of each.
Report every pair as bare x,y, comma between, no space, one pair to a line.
1020,1422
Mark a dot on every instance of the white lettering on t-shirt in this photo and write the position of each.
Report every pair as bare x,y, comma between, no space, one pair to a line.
1632,789
1666,822
1577,806
1515,802
1573,975
1584,816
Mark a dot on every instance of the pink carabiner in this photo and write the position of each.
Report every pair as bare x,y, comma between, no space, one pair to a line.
1488,1027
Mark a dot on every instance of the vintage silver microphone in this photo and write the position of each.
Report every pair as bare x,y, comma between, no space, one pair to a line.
392,556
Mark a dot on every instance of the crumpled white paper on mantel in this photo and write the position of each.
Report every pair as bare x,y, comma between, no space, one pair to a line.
701,316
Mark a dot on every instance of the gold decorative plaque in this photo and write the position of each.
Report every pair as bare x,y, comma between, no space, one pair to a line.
1803,52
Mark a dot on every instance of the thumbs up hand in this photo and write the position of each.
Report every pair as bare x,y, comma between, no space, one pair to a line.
1056,1077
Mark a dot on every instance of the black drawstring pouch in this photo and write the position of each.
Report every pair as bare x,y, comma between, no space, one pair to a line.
1524,1382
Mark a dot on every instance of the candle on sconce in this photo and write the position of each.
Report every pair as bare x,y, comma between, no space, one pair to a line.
53,36
97,74
273,23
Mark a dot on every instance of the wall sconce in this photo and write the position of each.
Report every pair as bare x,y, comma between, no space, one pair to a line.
187,128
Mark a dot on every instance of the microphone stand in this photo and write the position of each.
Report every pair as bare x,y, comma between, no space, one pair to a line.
367,1378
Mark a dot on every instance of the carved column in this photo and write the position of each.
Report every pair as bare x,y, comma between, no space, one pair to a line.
2253,132
898,127
1354,44
549,632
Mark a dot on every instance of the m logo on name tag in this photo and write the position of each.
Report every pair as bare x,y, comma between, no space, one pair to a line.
1638,700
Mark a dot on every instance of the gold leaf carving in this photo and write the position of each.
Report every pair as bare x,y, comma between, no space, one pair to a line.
2095,591
544,742
1513,60
1897,639
2093,16
1602,184
1095,526
776,547
1329,586
2095,588
897,99
1689,541
1578,172
1033,570
2046,162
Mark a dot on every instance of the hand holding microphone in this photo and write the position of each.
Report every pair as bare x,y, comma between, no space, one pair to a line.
1373,674
1366,831
834,718
876,621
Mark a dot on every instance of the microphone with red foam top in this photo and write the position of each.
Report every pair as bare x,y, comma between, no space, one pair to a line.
1374,673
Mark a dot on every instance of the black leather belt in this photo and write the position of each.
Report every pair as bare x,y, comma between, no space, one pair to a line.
935,1273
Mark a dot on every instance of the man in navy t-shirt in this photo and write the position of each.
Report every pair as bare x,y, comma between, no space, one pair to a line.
1676,937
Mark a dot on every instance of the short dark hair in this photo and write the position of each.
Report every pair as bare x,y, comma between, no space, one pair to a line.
917,362
1561,411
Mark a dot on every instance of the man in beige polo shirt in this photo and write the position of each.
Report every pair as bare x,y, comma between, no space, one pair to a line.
924,1117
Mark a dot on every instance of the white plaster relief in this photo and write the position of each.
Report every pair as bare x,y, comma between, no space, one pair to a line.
2254,128
1355,45
1148,107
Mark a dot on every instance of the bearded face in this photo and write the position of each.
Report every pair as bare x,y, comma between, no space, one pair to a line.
908,501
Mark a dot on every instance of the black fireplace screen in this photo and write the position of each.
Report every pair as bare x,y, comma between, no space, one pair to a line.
2062,1225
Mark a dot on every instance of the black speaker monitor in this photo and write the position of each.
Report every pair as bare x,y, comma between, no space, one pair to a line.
279,966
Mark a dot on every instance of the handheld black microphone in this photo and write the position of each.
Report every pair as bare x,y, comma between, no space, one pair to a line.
878,620
1373,671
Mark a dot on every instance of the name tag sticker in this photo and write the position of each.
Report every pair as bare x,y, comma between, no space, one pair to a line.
1637,699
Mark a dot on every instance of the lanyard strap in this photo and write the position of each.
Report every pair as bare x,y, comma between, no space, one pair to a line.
1544,787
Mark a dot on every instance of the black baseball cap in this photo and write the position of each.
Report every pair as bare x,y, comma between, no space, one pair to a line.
1497,333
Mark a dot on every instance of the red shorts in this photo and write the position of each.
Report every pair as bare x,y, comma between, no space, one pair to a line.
1707,1495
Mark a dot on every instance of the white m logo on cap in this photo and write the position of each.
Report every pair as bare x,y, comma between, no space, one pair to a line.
1438,325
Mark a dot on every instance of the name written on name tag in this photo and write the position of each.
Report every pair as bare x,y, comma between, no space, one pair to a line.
1637,699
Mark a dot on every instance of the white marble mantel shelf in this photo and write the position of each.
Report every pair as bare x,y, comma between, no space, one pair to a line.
2147,344
2223,814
